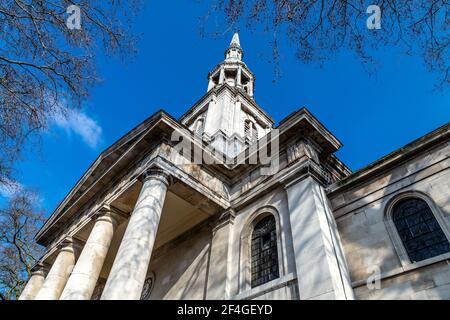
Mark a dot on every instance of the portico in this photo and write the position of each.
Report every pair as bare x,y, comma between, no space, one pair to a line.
115,243
129,270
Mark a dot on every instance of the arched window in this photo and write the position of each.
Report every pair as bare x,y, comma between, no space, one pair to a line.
419,230
264,252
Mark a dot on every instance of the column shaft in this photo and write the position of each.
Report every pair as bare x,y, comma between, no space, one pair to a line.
210,83
239,77
222,76
58,275
34,284
127,275
83,279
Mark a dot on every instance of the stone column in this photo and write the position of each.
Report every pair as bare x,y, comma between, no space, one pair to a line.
127,276
222,75
83,279
218,270
34,283
251,87
210,83
59,273
239,77
320,263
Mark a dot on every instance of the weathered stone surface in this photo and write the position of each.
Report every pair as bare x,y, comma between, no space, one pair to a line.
333,229
59,273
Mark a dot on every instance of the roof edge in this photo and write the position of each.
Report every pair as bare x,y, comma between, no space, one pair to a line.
399,155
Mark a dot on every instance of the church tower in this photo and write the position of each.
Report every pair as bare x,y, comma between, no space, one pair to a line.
227,116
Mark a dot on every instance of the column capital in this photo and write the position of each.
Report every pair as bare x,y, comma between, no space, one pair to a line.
157,173
40,268
70,244
107,212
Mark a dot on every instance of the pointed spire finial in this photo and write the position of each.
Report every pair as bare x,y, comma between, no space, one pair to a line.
234,51
235,40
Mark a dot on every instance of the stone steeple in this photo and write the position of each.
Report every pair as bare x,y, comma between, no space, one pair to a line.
234,51
227,117
233,71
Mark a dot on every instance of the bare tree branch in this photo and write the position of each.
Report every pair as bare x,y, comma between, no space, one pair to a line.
44,63
320,28
19,222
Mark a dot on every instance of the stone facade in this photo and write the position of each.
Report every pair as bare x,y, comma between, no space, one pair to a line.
368,237
148,221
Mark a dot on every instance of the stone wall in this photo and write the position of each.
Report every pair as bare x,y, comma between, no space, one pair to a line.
274,203
180,268
368,242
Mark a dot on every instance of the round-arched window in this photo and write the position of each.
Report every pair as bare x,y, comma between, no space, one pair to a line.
419,230
264,252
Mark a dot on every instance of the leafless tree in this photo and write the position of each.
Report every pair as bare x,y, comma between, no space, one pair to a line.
320,28
19,222
44,63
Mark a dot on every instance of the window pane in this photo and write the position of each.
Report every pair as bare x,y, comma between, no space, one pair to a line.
264,264
419,230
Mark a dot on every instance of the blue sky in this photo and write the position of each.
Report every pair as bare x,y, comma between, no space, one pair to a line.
371,115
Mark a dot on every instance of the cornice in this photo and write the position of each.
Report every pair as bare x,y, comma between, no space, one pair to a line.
393,159
154,129
216,91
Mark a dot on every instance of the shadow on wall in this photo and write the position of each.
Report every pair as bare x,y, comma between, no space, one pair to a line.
368,245
181,267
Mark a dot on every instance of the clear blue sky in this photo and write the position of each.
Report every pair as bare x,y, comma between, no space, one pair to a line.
371,115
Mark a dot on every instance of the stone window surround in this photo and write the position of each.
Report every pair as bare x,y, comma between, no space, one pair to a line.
245,250
395,237
199,127
282,281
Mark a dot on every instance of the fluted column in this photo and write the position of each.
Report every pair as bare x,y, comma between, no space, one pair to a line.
83,279
59,273
34,284
127,276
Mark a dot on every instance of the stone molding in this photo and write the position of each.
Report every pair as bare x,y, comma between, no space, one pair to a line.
108,212
70,244
225,218
299,149
40,268
158,174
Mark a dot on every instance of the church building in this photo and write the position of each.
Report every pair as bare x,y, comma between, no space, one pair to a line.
223,203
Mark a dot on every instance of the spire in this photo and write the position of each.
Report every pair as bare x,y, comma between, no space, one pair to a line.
234,51
233,71
235,41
